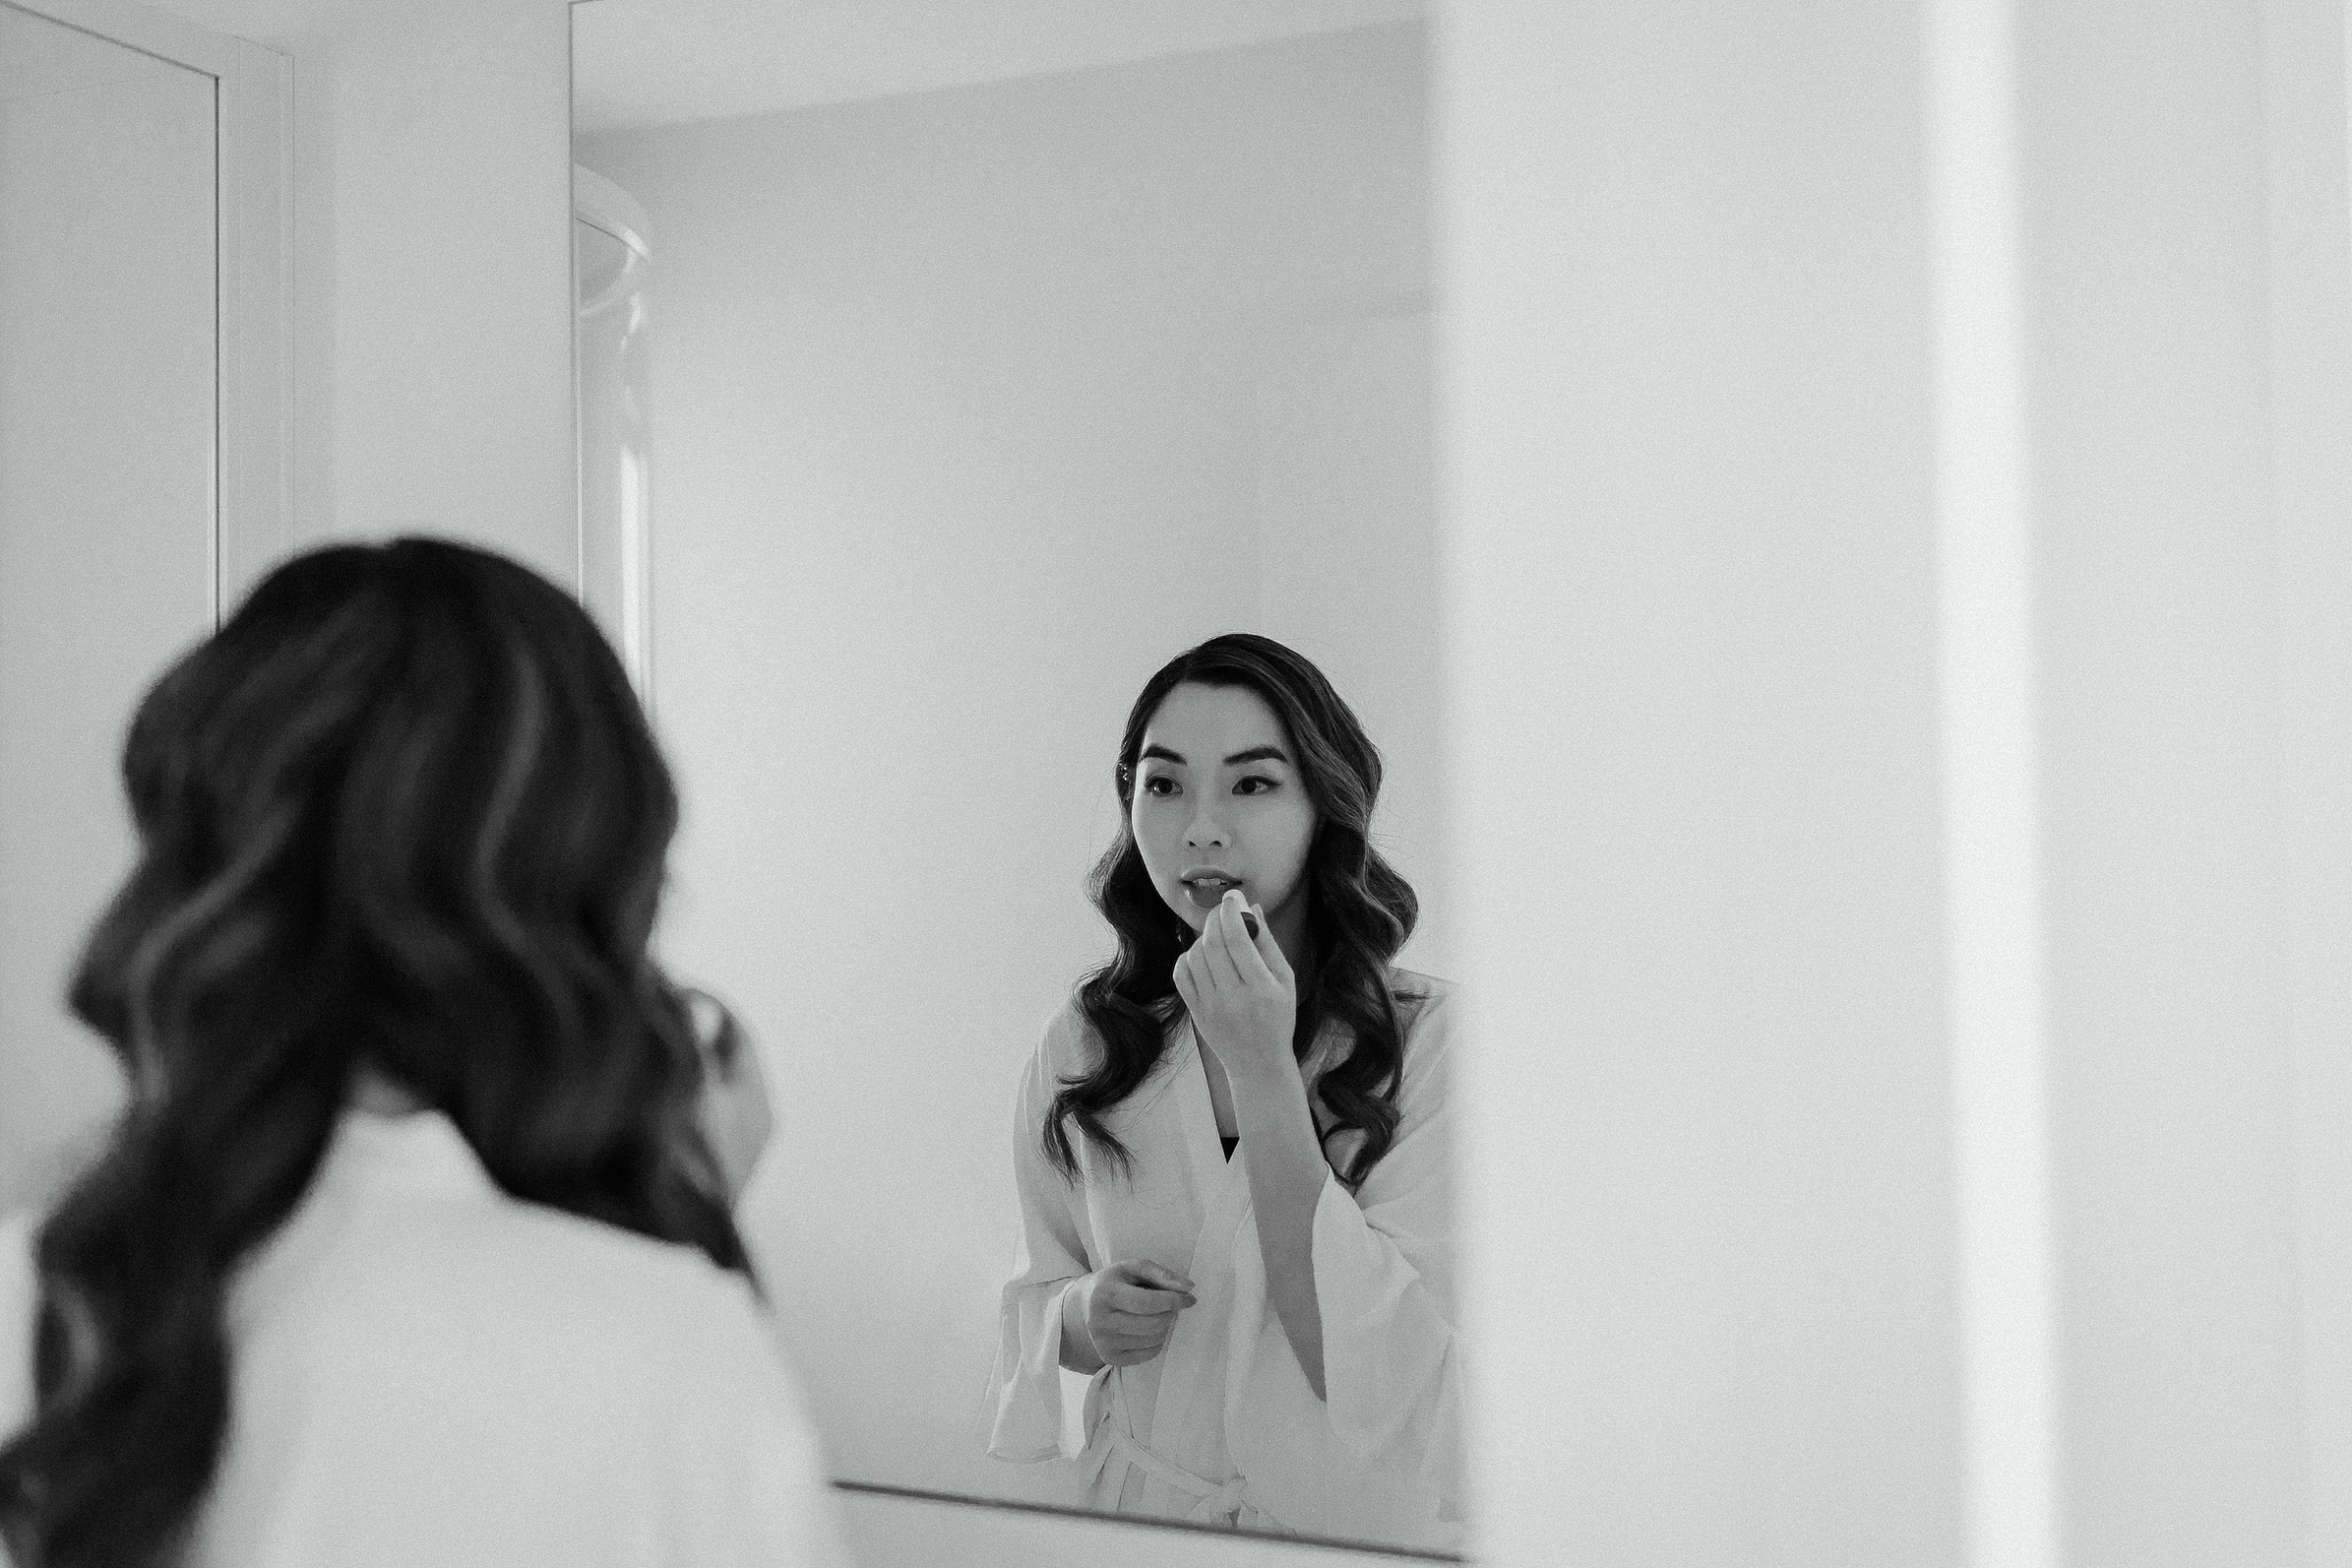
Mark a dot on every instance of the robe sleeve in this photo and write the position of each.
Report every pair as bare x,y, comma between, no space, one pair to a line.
1385,1283
1024,1391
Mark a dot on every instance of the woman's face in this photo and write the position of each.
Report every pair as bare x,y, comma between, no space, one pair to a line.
1218,804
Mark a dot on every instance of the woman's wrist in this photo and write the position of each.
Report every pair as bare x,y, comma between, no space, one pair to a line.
1078,1353
1274,1095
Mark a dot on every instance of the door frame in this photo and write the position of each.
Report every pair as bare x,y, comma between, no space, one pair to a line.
253,211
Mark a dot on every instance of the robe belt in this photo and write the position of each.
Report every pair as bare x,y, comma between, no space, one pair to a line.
1215,1502
1218,1503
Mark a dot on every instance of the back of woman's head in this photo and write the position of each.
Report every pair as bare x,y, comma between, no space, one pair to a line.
401,816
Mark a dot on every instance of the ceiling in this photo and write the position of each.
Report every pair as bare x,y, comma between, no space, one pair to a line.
656,61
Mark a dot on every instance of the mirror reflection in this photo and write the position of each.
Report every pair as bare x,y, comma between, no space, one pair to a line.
988,367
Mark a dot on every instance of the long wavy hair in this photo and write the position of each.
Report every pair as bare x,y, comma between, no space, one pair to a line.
401,813
1360,912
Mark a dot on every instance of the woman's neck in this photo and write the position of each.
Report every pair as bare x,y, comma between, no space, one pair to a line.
379,1096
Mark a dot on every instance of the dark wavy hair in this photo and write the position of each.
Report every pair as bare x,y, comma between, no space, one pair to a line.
401,812
1360,909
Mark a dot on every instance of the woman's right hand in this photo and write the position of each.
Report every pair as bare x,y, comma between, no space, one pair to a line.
1122,1314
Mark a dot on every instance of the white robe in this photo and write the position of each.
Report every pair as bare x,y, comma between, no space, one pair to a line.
425,1370
1222,1425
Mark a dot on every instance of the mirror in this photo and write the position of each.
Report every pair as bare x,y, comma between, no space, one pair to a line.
992,357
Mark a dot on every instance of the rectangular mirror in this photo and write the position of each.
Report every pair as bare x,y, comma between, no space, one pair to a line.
984,360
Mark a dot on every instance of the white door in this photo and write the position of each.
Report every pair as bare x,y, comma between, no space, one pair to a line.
112,437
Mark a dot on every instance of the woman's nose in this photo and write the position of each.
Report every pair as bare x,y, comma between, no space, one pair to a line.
1204,831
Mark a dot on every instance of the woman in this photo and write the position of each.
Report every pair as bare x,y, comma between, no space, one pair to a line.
407,1247
1231,1145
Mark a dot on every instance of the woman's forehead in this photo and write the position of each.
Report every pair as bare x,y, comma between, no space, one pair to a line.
1199,721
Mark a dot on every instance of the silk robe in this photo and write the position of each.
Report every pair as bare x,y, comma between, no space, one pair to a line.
425,1370
1222,1425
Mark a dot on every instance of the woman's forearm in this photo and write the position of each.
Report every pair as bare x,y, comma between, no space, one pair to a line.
1286,1172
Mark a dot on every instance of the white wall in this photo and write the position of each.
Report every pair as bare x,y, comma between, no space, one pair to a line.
431,266
431,286
1348,560
2161,566
106,322
433,218
1693,625
2309,302
970,410
1691,530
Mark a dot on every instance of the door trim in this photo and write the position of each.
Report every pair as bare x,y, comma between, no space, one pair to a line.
253,217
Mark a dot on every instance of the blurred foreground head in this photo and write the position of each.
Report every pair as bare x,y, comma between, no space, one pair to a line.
402,816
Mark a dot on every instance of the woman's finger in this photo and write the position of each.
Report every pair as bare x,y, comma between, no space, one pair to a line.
1123,1333
1145,1330
1195,959
1221,932
1249,952
1160,1277
1141,1300
1127,1328
1269,952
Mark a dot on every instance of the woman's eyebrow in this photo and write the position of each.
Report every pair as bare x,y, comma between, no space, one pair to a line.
1255,753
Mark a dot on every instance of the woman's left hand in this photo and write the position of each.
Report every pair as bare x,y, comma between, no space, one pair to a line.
1240,993
736,1118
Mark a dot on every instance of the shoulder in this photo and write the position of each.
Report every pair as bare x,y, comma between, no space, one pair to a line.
1426,1010
717,1392
544,1331
618,1382
716,1342
1425,1006
1418,995
1066,1047
517,1285
1069,1044
1072,1049
1068,1040
584,1287
641,1287
738,1446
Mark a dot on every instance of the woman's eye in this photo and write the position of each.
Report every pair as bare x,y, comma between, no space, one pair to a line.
1159,784
1256,784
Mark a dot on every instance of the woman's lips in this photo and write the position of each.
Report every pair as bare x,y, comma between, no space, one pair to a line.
1207,892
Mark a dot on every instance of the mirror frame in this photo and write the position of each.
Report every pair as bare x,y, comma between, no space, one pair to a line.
878,1489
